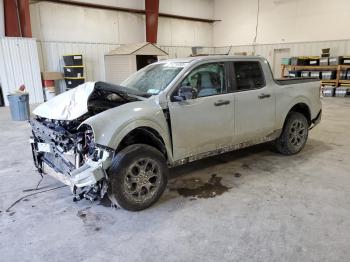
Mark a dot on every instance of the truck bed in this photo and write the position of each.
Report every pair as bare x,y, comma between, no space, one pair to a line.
296,80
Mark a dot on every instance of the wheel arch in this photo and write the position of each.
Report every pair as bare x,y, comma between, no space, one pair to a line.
144,135
301,107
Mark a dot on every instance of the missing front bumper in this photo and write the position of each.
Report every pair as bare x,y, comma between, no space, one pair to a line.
87,175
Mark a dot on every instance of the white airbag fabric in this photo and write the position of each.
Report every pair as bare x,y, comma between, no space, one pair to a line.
67,106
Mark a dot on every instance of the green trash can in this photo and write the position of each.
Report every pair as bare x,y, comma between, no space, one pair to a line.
19,106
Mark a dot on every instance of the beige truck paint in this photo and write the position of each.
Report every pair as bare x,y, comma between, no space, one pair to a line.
111,126
197,127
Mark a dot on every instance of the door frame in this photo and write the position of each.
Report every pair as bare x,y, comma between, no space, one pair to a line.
274,69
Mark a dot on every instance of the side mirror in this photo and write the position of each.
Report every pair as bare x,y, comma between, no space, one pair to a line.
185,93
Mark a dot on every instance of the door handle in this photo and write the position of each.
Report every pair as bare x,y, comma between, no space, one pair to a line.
262,96
221,102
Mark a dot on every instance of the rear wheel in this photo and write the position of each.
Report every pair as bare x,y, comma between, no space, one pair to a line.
294,135
138,177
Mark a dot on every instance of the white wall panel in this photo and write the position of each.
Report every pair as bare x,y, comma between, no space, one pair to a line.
65,23
338,47
184,51
177,32
280,21
51,56
59,22
19,64
195,8
137,4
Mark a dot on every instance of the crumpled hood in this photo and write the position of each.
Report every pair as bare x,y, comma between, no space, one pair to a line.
67,106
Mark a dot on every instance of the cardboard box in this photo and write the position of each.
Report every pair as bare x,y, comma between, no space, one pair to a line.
51,75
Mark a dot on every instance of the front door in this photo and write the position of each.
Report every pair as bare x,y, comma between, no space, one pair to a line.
204,123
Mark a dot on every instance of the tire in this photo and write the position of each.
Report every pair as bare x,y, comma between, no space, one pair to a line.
137,177
294,135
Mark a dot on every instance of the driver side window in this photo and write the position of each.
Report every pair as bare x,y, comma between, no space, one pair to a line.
205,80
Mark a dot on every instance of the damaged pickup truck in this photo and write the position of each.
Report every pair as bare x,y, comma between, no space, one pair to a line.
102,139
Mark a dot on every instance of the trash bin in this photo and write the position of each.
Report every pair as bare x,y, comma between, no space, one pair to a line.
19,106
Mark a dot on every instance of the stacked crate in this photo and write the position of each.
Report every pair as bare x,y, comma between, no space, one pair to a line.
333,71
73,70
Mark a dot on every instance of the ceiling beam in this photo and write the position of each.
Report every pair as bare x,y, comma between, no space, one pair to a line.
24,17
12,22
129,10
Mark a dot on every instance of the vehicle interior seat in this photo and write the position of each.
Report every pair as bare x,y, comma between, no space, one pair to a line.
206,87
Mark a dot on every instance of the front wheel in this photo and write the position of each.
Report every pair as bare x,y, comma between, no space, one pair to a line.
294,135
137,177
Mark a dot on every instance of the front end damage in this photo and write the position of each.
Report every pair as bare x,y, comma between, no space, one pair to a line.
69,154
64,148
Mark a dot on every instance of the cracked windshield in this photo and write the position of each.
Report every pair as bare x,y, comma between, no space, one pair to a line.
154,78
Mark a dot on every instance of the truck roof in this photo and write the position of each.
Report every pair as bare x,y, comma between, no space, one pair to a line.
210,58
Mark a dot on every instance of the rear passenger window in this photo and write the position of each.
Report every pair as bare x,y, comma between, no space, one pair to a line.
248,75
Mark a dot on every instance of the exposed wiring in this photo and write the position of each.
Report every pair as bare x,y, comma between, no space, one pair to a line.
256,26
32,194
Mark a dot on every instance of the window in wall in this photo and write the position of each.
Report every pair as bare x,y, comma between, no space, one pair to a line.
208,79
248,75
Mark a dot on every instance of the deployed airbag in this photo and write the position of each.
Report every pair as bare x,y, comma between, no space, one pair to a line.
67,106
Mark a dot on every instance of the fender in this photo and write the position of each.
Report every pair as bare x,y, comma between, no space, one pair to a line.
297,100
124,130
111,126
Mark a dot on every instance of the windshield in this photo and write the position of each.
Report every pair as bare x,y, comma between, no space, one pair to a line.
153,78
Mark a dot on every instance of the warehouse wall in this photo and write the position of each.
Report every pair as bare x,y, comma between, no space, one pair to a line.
136,4
337,48
195,8
19,64
50,56
280,21
57,22
62,29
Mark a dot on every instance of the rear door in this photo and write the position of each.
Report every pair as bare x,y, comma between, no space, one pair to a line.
254,101
204,123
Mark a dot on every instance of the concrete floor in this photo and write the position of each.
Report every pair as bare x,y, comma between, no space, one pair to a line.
276,208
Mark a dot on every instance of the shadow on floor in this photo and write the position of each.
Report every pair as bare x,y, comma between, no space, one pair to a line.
312,148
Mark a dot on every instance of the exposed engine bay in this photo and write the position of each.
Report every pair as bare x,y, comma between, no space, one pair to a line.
68,148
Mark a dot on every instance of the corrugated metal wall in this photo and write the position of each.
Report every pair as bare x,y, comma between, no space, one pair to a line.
19,64
338,47
51,54
185,51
